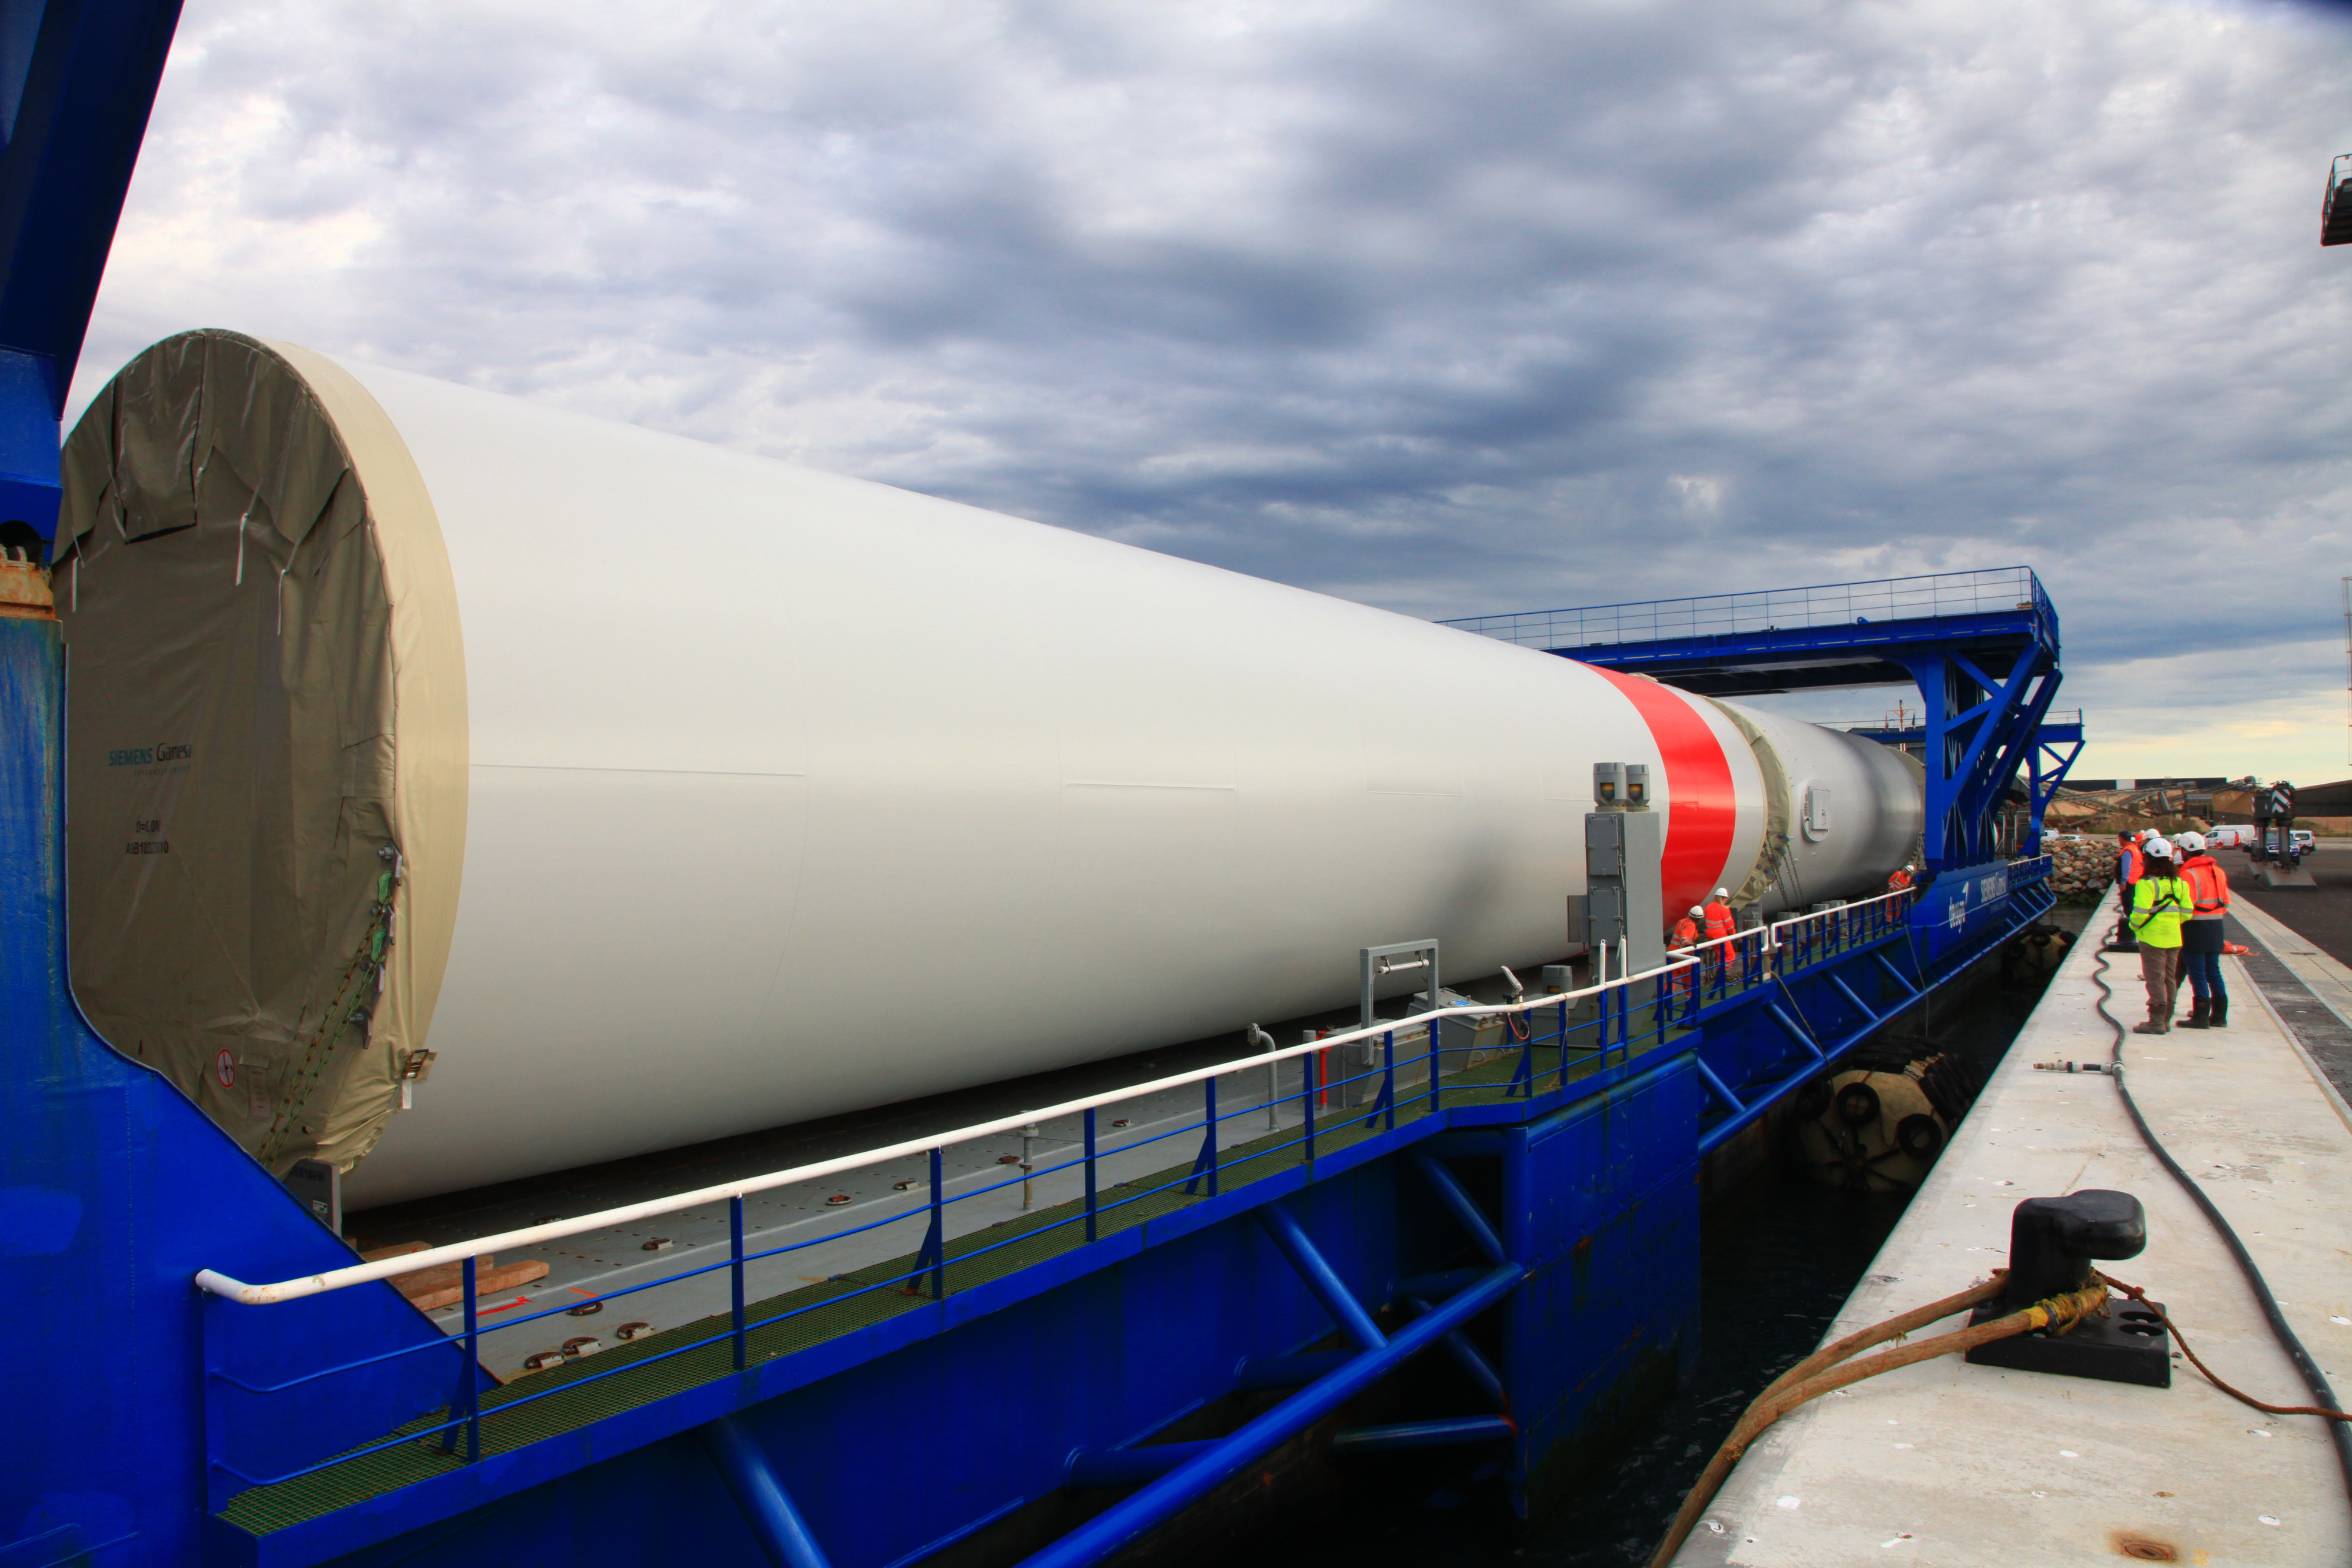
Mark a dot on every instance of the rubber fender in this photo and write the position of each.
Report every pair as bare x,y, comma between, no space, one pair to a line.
1950,1088
1921,1136
1879,1153
1857,1104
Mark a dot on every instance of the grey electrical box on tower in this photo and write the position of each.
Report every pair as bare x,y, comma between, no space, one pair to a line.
1624,841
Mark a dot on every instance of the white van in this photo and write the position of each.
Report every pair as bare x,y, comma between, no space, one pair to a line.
2230,836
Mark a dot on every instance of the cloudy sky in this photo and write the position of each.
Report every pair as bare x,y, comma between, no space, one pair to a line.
1449,308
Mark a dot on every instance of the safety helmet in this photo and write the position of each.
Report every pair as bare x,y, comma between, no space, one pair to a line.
2193,842
1723,893
1910,865
2148,834
2158,848
1698,912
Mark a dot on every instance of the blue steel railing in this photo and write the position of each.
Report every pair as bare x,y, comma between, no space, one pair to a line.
1810,943
2005,588
1601,1026
1619,1028
1558,1037
1913,723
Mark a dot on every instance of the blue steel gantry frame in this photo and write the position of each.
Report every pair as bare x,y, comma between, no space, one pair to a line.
2057,742
1982,647
76,80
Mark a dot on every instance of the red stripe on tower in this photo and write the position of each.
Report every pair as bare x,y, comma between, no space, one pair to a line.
1703,812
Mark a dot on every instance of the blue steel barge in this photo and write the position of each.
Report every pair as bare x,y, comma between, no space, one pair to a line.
212,1376
1126,1353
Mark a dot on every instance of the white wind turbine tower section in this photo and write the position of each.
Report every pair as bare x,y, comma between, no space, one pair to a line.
726,793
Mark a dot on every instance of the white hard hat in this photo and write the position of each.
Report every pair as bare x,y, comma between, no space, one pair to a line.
1696,909
2148,834
2193,842
1910,865
2157,847
1723,893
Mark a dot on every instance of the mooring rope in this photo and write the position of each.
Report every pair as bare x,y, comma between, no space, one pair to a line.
1821,1373
2134,1293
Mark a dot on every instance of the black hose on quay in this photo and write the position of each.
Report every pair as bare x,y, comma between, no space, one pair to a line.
2337,1431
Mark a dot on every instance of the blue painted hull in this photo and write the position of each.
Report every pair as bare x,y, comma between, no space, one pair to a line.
954,1421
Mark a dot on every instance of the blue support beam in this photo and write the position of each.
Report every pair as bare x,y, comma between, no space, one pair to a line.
1980,728
1853,1000
1125,1467
1448,1433
1470,1359
1458,1203
775,1520
1991,923
1902,982
1716,1087
1795,1030
1289,1371
1321,1280
2055,748
1131,1518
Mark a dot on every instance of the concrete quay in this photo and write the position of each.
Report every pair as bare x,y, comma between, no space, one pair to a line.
1947,1463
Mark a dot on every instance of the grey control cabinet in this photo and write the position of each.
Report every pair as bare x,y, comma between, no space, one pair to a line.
1622,852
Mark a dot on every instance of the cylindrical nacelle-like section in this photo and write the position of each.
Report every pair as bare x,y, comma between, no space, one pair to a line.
663,792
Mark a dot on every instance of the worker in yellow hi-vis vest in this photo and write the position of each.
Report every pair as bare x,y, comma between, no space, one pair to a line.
2160,900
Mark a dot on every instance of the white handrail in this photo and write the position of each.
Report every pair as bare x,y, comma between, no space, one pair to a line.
220,1284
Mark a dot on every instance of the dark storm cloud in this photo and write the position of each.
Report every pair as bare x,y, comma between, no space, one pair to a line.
1451,307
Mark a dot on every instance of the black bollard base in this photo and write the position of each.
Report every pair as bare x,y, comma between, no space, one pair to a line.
2129,1344
2052,1241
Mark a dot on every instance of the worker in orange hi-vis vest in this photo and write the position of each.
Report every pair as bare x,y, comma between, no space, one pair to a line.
2128,869
1901,880
2201,935
1717,915
1684,937
1719,922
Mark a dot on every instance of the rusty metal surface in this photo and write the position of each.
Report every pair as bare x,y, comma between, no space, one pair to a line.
25,589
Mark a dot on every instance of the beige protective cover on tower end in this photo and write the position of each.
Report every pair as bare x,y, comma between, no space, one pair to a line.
266,692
